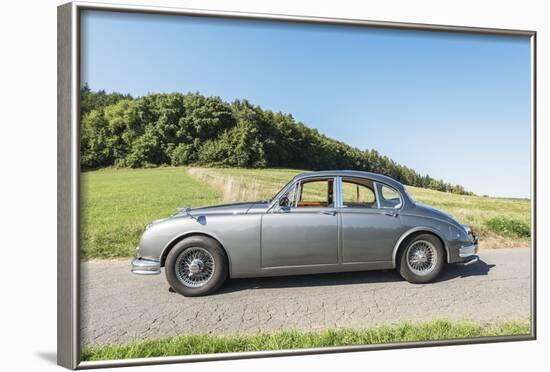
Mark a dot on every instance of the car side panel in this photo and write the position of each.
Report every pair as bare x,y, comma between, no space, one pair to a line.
369,235
302,236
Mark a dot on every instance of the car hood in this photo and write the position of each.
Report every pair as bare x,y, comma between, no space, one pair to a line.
231,208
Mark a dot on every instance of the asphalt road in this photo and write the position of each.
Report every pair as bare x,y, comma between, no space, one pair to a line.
119,306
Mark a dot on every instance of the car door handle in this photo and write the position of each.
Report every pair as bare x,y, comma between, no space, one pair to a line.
391,214
330,213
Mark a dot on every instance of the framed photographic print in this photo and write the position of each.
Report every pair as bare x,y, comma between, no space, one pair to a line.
238,185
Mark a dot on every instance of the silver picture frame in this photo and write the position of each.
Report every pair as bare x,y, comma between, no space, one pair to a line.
68,170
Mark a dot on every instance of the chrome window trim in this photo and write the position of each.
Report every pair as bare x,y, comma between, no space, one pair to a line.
297,183
339,196
375,184
357,178
281,192
378,206
401,199
321,178
297,193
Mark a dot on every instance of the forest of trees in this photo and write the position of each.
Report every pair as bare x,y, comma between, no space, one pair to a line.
191,129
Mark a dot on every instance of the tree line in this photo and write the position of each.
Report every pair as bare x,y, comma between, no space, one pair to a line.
191,129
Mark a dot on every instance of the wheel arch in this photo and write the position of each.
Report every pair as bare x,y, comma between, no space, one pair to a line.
186,235
416,231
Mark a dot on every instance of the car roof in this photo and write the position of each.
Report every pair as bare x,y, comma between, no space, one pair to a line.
351,173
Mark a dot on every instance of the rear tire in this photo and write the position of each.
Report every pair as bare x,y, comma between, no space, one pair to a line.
422,259
196,266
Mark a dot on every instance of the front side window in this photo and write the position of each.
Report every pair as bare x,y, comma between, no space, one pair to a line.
289,197
316,193
358,194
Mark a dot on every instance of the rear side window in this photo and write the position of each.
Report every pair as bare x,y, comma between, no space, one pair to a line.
388,197
358,195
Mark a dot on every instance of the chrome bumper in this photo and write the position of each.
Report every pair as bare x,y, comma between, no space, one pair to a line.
467,251
145,267
468,254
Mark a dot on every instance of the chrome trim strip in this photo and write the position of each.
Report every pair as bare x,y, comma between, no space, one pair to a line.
298,189
338,192
328,265
300,266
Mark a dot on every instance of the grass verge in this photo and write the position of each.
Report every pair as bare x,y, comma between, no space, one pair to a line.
208,344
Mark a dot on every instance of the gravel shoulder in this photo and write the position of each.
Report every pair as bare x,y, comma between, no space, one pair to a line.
118,306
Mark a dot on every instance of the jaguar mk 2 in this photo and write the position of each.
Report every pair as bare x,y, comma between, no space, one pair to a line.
320,222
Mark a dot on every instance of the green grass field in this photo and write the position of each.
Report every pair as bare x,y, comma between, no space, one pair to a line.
208,344
116,204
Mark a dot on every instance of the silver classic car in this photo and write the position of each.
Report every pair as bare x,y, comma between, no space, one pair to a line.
320,222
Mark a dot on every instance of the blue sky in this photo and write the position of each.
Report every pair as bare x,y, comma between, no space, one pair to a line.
455,106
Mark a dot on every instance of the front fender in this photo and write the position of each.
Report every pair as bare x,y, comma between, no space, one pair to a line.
239,236
157,235
184,235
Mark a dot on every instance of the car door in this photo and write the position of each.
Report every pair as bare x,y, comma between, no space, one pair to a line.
303,229
371,224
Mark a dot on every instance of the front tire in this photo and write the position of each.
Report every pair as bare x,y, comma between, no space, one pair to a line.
196,266
422,259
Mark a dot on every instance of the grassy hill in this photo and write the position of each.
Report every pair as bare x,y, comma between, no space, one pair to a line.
118,203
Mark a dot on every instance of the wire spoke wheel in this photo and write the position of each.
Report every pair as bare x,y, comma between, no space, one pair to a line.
194,267
422,257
